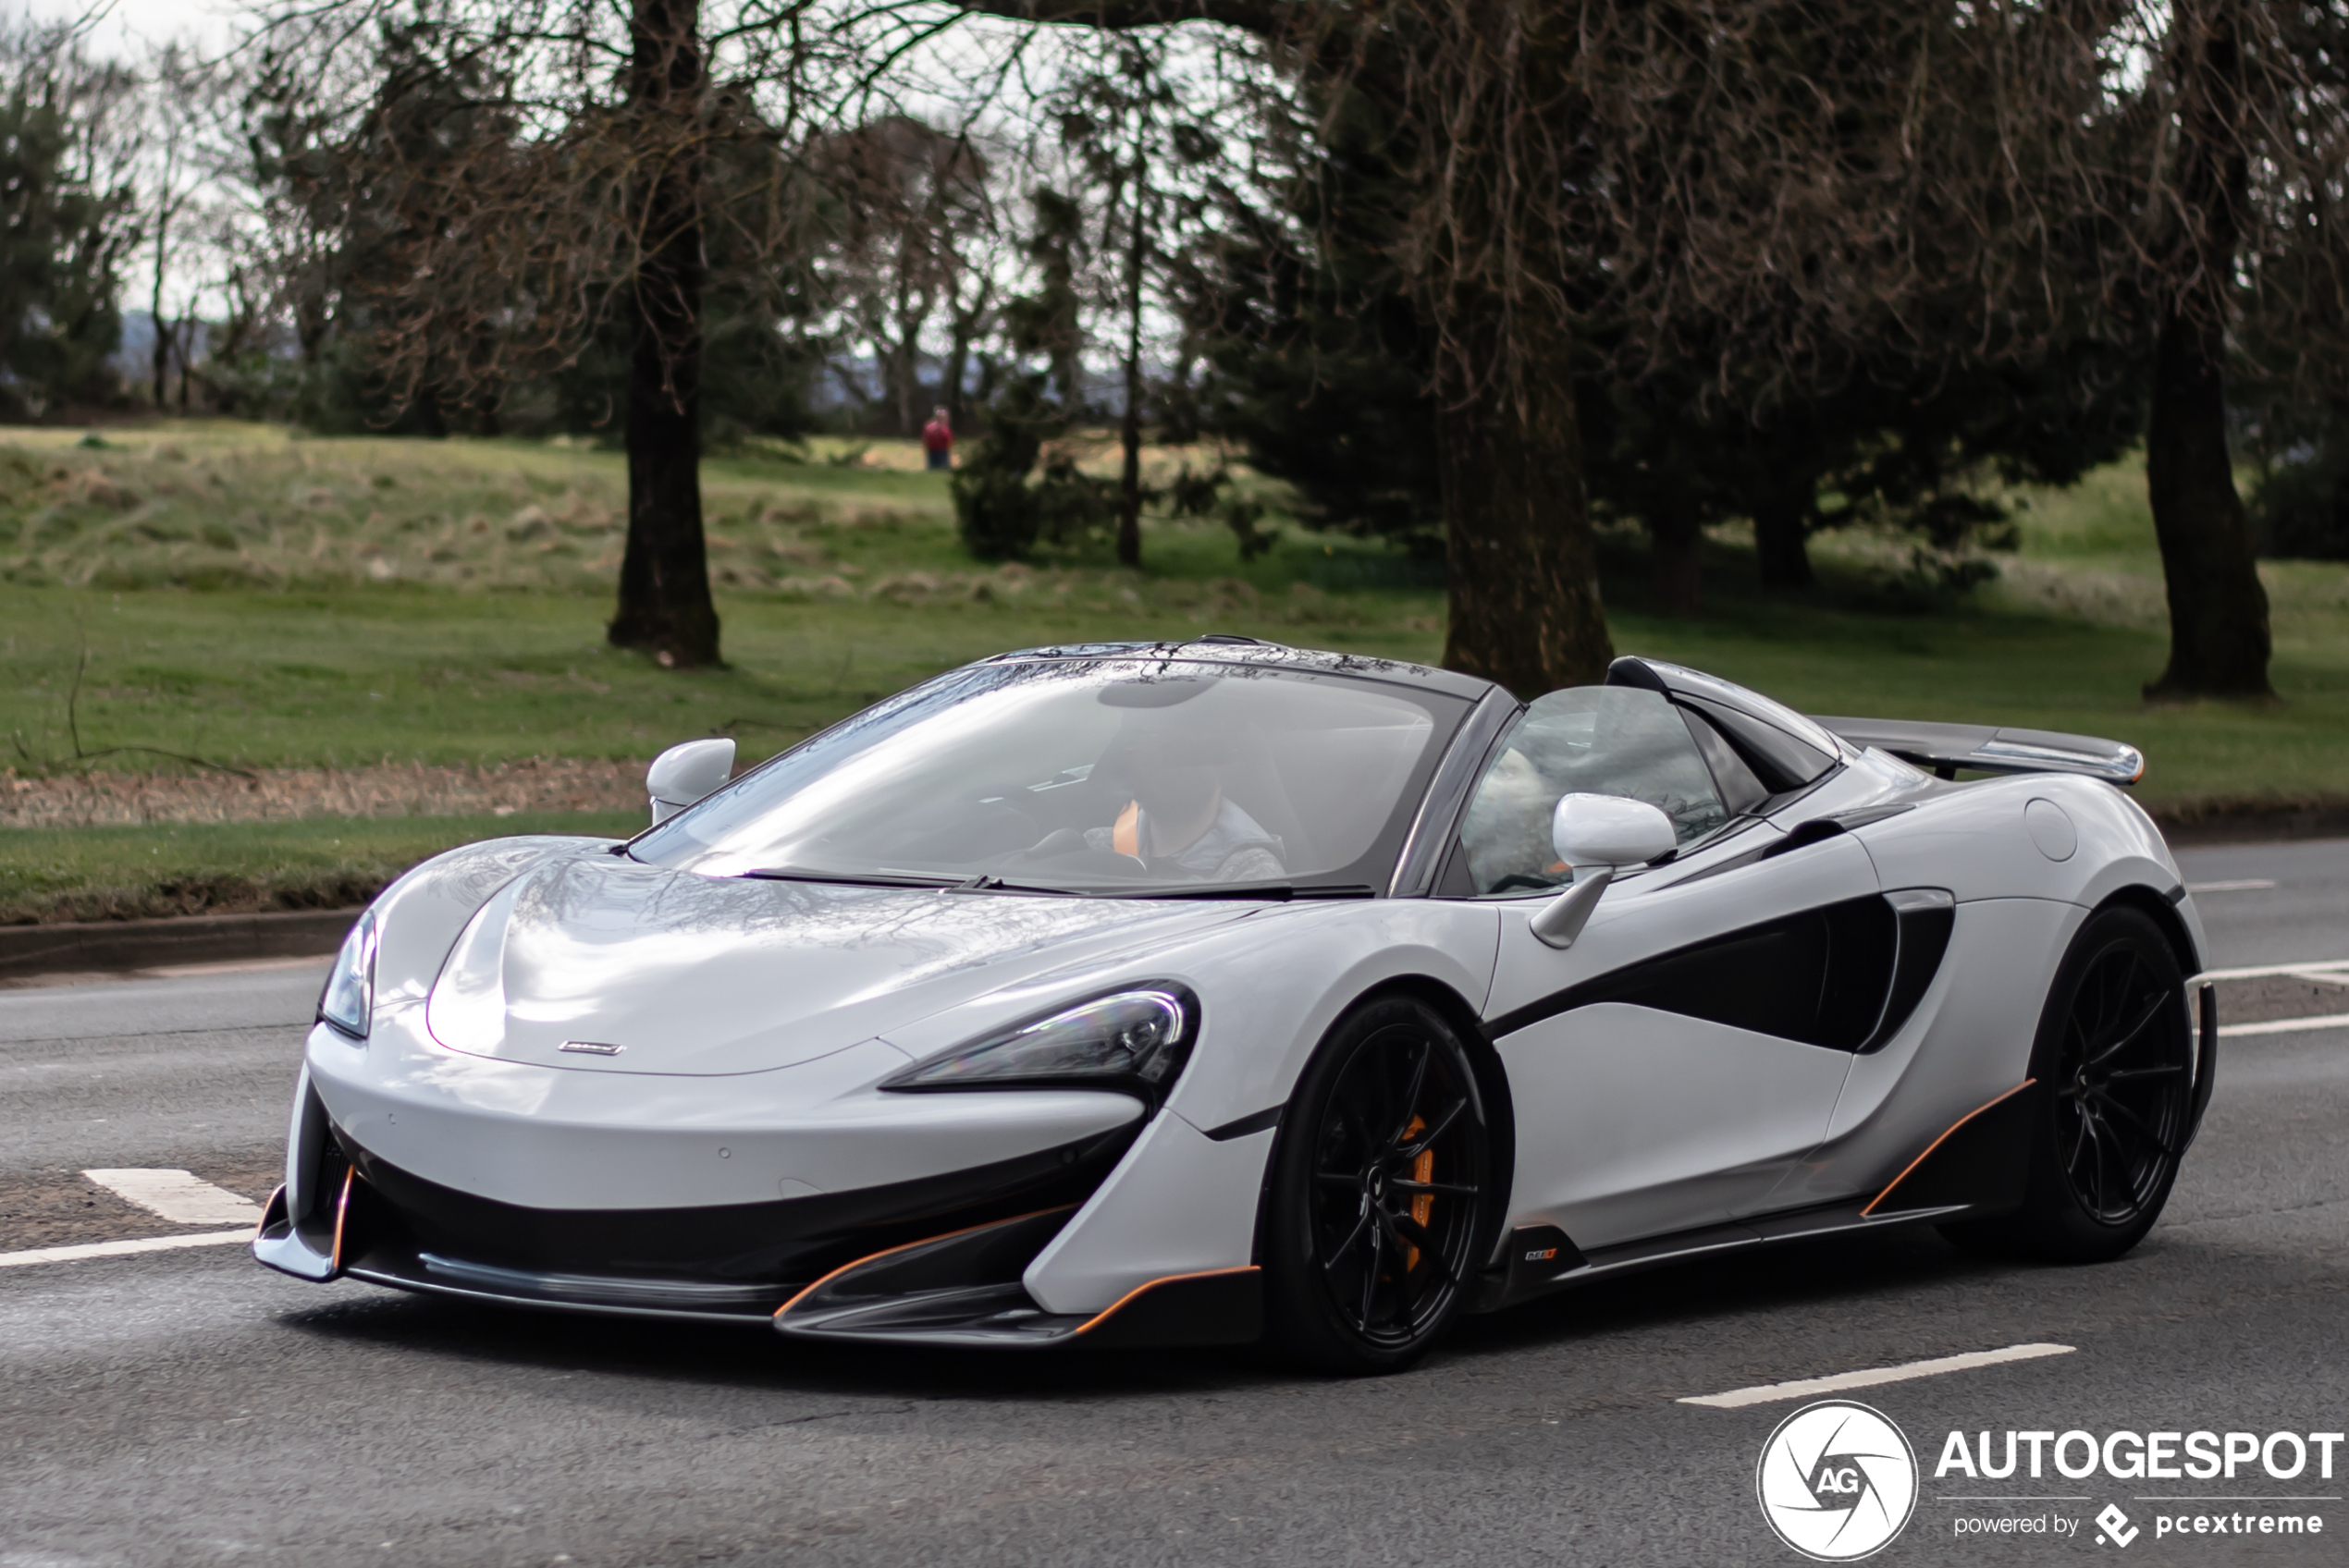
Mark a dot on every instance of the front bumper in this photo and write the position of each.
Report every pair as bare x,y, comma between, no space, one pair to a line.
725,1199
370,1218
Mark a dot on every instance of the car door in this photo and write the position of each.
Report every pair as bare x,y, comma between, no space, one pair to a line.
1669,1067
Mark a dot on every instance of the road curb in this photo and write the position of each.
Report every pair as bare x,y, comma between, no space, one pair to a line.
150,944
2222,824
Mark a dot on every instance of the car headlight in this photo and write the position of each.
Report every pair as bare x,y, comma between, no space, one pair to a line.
348,1000
1136,1040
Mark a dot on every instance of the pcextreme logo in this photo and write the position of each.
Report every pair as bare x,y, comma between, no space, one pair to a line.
1837,1480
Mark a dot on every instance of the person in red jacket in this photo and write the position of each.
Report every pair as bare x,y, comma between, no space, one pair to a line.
938,440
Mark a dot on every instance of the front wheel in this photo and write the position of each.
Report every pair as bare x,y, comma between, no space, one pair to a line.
1380,1191
2114,1066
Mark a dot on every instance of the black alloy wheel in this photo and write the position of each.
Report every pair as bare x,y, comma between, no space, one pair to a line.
1381,1189
2121,1085
2114,1065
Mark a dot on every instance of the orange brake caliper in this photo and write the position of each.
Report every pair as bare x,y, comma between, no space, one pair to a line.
1422,1169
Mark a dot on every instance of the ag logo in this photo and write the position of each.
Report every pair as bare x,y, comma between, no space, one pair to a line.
1836,1481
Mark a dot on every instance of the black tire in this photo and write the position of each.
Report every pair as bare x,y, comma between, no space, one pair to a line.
1381,1187
2114,1070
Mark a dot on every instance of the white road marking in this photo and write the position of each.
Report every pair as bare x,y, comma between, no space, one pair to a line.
2316,969
2285,1025
1767,1394
122,1249
2249,883
177,1196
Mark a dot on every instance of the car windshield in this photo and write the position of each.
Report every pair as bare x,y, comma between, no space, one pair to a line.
1084,776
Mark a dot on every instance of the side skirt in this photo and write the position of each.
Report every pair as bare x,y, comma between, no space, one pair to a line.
1976,1167
1538,1265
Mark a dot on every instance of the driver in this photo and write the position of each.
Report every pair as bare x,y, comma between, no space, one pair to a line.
1180,818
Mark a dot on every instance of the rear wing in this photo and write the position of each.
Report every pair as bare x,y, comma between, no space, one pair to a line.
1980,748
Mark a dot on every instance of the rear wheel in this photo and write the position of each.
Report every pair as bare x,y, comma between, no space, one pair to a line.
1380,1190
2113,1064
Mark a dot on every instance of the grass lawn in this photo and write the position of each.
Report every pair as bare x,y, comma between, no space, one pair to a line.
263,600
186,868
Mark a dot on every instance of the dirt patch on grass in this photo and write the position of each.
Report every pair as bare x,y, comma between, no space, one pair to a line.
129,799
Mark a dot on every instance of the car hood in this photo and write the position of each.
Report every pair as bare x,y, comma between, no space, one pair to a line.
695,974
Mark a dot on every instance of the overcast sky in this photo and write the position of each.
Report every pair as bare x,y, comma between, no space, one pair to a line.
127,22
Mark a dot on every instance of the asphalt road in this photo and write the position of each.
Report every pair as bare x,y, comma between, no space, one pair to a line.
189,1408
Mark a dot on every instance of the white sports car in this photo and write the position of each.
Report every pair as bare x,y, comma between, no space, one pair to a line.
1199,992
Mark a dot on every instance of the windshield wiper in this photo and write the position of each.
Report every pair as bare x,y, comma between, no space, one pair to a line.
852,878
987,882
1279,891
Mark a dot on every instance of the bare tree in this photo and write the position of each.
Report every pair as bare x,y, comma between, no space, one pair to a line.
911,203
1744,188
1132,138
2233,161
184,160
609,163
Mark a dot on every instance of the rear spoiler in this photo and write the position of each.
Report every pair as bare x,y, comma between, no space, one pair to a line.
1979,748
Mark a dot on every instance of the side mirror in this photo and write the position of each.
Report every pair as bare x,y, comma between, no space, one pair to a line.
683,775
1594,833
1608,830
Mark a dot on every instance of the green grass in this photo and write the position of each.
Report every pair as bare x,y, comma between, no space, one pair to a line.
131,873
259,600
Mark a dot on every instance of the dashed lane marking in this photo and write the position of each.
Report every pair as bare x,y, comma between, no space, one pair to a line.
2285,1025
179,1197
2327,968
1767,1394
2246,885
122,1249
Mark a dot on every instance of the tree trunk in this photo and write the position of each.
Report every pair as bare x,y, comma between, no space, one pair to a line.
958,355
161,355
1129,488
1676,553
664,576
1523,593
1781,518
903,362
2219,636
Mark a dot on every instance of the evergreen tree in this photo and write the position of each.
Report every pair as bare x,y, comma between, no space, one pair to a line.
68,223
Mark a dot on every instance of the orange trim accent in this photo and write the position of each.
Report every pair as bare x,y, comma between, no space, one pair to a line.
1125,838
1939,1141
1422,1169
908,1246
270,1204
1112,1308
342,1212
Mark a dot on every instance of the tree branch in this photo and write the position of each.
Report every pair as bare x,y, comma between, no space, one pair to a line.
1265,18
